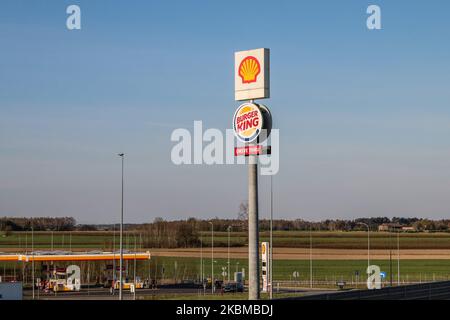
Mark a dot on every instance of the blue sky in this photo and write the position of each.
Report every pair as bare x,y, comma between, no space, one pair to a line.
364,116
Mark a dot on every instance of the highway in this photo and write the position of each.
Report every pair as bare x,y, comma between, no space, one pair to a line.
100,293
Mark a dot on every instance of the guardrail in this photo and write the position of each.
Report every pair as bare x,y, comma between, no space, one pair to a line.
424,291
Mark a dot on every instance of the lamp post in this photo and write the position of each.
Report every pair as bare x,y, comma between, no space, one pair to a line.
135,248
368,242
32,253
398,257
271,240
310,258
121,237
201,258
212,257
114,259
228,263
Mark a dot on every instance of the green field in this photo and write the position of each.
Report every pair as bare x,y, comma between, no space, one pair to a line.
165,268
325,272
339,240
294,239
22,241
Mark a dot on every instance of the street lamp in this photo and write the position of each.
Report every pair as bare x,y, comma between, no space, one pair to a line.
228,263
135,249
114,258
212,257
201,257
310,258
121,236
271,240
32,253
398,257
368,242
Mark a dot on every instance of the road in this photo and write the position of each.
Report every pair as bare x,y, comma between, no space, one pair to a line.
99,293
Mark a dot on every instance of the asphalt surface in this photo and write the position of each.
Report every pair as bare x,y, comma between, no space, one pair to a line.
104,293
99,293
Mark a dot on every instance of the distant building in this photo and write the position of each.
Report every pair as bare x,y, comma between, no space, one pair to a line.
390,227
408,229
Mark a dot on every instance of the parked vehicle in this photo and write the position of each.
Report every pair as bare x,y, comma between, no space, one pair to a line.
233,287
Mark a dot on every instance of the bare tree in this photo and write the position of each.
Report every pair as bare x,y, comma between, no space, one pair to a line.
243,214
243,211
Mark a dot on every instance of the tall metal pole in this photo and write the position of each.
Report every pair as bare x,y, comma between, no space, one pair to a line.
114,259
201,259
212,257
228,263
253,233
368,242
32,253
271,241
310,258
135,248
398,258
368,245
121,238
390,257
390,267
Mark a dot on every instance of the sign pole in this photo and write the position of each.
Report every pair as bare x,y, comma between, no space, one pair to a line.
253,230
251,82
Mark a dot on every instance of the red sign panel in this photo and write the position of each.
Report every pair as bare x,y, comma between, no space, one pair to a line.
251,150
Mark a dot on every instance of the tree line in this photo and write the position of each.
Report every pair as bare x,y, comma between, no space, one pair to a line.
187,233
37,224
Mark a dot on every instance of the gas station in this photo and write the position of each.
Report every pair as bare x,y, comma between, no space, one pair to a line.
61,270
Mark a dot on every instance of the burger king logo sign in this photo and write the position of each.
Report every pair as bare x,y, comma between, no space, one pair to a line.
248,122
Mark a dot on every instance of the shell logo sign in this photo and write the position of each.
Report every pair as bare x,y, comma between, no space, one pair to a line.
251,74
263,248
249,69
247,122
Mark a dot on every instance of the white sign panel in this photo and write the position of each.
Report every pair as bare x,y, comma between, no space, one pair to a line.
251,74
265,265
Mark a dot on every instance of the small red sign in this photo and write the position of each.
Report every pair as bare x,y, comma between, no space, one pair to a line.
251,150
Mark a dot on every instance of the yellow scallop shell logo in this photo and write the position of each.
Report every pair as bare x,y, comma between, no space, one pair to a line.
263,248
249,69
